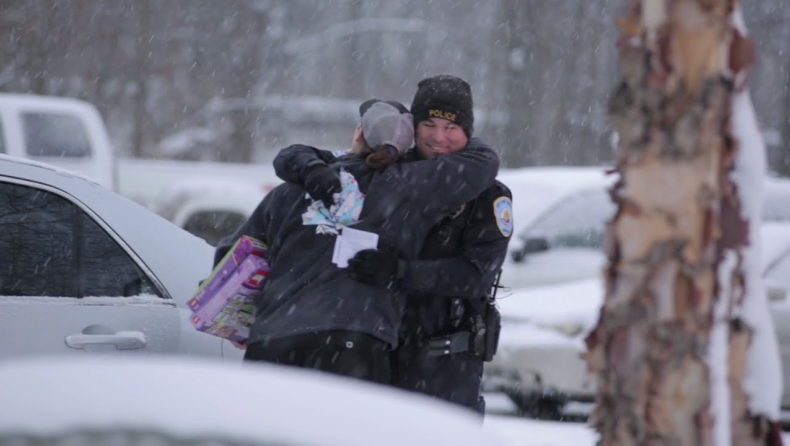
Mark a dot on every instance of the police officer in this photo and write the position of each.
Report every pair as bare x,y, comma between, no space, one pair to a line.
444,331
450,325
310,313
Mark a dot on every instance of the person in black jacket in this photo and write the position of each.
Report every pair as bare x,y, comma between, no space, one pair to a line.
310,313
444,337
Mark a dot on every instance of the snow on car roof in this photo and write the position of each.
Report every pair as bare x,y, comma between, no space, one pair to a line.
47,169
200,399
41,102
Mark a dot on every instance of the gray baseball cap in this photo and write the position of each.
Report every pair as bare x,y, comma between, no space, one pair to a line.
385,124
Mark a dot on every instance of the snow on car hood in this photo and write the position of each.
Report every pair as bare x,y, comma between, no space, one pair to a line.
572,303
550,316
196,399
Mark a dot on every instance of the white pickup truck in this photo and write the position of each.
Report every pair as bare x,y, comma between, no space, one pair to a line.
207,199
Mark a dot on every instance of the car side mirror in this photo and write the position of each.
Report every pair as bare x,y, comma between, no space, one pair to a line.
531,246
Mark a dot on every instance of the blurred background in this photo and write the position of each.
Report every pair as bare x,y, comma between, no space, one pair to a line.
236,80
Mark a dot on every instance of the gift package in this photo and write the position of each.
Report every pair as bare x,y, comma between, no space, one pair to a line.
223,305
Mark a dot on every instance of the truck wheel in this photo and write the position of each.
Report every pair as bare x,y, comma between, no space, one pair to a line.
213,226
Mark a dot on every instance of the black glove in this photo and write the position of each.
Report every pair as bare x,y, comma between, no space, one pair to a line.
321,182
376,267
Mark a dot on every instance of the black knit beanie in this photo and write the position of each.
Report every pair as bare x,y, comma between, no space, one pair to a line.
444,96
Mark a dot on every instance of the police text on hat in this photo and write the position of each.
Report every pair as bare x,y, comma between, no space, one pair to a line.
447,97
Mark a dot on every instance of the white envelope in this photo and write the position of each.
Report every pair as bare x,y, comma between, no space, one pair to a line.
351,241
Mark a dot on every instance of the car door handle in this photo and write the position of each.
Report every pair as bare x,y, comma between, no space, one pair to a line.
123,340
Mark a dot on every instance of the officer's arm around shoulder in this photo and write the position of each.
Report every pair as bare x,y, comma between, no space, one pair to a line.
292,162
475,166
459,176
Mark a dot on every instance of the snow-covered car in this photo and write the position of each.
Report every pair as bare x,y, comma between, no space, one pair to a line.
181,401
560,215
543,330
84,270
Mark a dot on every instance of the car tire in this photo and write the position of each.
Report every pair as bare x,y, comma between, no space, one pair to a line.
539,407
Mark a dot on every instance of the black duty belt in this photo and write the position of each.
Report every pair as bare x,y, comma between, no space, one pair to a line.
459,342
481,340
448,345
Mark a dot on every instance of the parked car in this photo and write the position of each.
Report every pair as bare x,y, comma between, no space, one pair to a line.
71,134
559,215
563,212
84,270
543,330
211,209
179,401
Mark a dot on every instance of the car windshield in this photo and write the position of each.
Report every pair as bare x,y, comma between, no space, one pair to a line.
55,135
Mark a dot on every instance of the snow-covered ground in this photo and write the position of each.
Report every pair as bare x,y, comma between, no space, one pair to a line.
517,431
501,419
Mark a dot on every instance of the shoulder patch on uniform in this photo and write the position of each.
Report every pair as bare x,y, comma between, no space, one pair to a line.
503,214
339,153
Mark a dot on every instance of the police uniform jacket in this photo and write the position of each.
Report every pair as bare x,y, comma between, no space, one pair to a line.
457,267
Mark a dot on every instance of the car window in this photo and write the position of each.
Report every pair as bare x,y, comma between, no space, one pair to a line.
58,135
107,270
51,247
36,243
576,222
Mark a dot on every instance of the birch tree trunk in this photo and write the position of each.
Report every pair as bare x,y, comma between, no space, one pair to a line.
668,352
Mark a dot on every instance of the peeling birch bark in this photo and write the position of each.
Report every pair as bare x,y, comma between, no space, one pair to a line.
678,217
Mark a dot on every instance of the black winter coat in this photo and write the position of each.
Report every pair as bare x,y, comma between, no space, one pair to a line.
460,257
305,292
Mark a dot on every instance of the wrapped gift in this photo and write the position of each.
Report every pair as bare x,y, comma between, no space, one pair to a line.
344,212
223,305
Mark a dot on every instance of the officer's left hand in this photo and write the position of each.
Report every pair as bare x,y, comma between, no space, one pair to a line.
376,267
